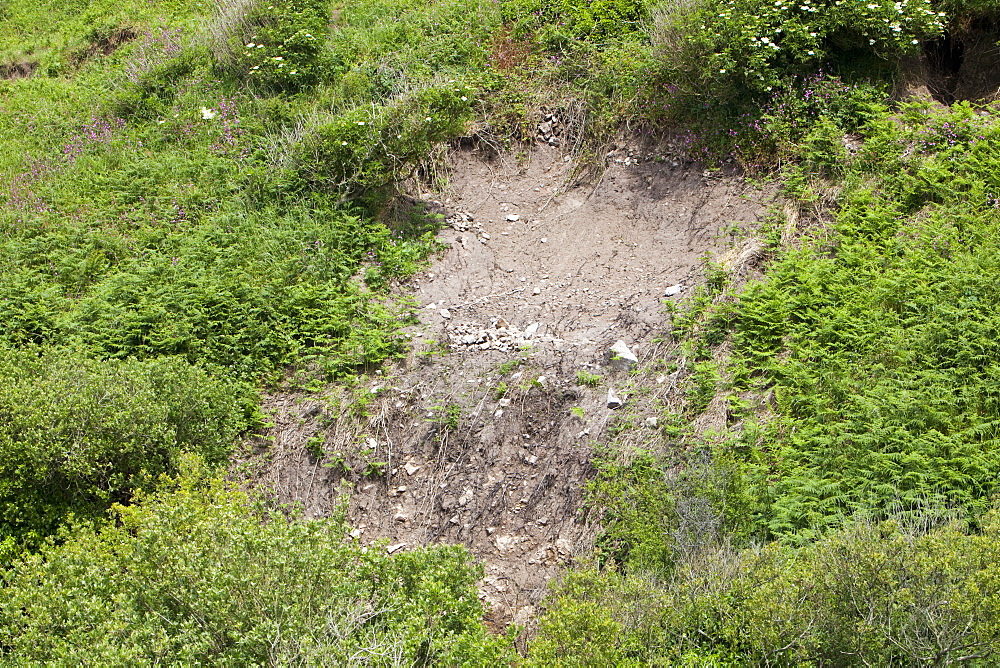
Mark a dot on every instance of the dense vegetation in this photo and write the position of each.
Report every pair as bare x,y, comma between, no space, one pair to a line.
198,205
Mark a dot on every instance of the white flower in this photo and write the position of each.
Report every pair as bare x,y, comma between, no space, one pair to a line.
250,45
870,42
276,58
260,46
361,122
811,53
916,41
343,143
722,71
428,118
465,99
161,121
208,114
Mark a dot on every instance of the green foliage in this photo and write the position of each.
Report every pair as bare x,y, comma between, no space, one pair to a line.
243,292
276,44
197,574
370,148
558,22
701,385
77,435
874,594
588,379
879,339
756,45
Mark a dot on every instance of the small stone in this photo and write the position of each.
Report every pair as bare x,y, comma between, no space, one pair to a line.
395,548
614,401
490,530
622,357
673,290
536,291
532,328
454,520
531,459
545,240
513,217
356,533
652,422
446,314
411,468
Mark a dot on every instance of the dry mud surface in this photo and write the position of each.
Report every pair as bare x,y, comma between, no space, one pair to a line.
475,430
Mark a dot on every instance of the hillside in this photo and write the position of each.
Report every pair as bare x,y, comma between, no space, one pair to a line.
626,332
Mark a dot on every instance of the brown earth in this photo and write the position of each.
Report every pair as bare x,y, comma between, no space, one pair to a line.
487,441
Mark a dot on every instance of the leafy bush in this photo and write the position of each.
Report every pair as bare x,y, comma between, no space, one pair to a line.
197,574
367,149
733,45
874,594
560,21
77,435
277,44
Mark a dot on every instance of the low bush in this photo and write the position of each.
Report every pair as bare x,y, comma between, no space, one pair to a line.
872,594
275,44
360,153
77,435
559,22
199,574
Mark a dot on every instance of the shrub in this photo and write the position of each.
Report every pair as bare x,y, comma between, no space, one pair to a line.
558,22
362,151
754,45
873,594
277,44
198,574
77,435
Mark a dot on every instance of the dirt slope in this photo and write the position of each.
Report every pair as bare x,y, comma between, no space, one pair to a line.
484,435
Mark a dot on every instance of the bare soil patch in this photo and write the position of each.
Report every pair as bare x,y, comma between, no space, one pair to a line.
484,436
104,45
21,69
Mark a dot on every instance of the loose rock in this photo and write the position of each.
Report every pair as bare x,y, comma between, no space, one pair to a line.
621,357
614,401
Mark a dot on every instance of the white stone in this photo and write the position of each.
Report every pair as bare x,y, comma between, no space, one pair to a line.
513,218
395,548
673,290
446,314
622,357
614,401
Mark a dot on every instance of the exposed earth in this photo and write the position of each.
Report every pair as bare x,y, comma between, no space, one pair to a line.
484,435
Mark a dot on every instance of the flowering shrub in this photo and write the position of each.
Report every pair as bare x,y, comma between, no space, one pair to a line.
755,43
276,44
